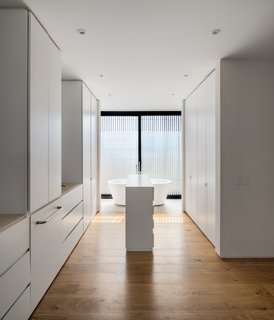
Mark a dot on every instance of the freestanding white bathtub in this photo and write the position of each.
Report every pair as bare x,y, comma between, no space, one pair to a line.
160,190
118,190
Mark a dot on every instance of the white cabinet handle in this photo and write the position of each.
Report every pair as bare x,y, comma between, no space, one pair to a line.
51,216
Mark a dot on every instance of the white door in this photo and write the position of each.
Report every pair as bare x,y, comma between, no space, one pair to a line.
210,162
14,111
86,155
201,153
188,151
55,147
93,163
193,159
38,115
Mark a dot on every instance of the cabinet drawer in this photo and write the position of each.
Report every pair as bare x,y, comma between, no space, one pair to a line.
14,242
47,238
13,283
72,240
60,207
70,199
71,219
21,308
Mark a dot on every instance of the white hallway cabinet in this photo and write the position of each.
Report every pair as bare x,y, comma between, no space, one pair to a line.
30,119
55,230
30,142
45,118
79,147
14,267
200,156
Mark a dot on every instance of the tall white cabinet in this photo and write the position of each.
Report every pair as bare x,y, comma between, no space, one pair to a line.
30,114
14,111
79,147
95,193
44,117
30,160
200,154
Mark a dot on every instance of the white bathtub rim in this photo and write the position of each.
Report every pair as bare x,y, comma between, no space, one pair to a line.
118,186
117,181
160,181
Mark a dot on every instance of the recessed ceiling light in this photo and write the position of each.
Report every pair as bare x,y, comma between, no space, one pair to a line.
173,94
186,75
109,94
216,31
81,31
101,75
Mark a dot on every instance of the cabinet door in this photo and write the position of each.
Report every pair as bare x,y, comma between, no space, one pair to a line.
54,122
45,249
38,114
21,308
45,117
201,152
86,96
93,155
13,111
210,157
188,146
191,157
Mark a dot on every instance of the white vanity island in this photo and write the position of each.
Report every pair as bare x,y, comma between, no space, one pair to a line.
139,213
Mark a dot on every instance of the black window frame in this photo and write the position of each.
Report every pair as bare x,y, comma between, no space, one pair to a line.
139,114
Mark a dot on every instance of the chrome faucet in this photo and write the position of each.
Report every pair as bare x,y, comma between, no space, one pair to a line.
138,168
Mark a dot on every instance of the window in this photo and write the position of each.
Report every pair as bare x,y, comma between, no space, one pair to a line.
153,138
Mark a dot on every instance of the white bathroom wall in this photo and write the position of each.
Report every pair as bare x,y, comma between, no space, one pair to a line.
245,145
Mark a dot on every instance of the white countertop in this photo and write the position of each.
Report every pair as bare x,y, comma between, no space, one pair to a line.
138,180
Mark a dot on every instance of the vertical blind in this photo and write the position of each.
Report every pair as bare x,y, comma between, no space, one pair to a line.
160,145
119,148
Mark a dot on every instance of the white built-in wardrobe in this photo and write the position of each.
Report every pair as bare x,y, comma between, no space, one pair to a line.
199,111
79,142
47,199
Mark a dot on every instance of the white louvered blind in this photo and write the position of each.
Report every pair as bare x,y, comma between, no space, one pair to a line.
161,144
160,148
119,148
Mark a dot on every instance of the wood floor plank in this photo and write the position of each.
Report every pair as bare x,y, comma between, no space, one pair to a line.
181,279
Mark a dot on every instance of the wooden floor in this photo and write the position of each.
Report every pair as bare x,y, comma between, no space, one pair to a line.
182,279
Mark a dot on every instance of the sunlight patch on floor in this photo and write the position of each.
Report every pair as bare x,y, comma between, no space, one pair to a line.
121,219
108,219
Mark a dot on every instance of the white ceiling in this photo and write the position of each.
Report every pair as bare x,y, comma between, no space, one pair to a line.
143,48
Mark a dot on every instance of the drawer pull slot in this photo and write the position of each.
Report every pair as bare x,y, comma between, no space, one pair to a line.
51,216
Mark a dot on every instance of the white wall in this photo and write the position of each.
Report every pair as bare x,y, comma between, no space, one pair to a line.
245,127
